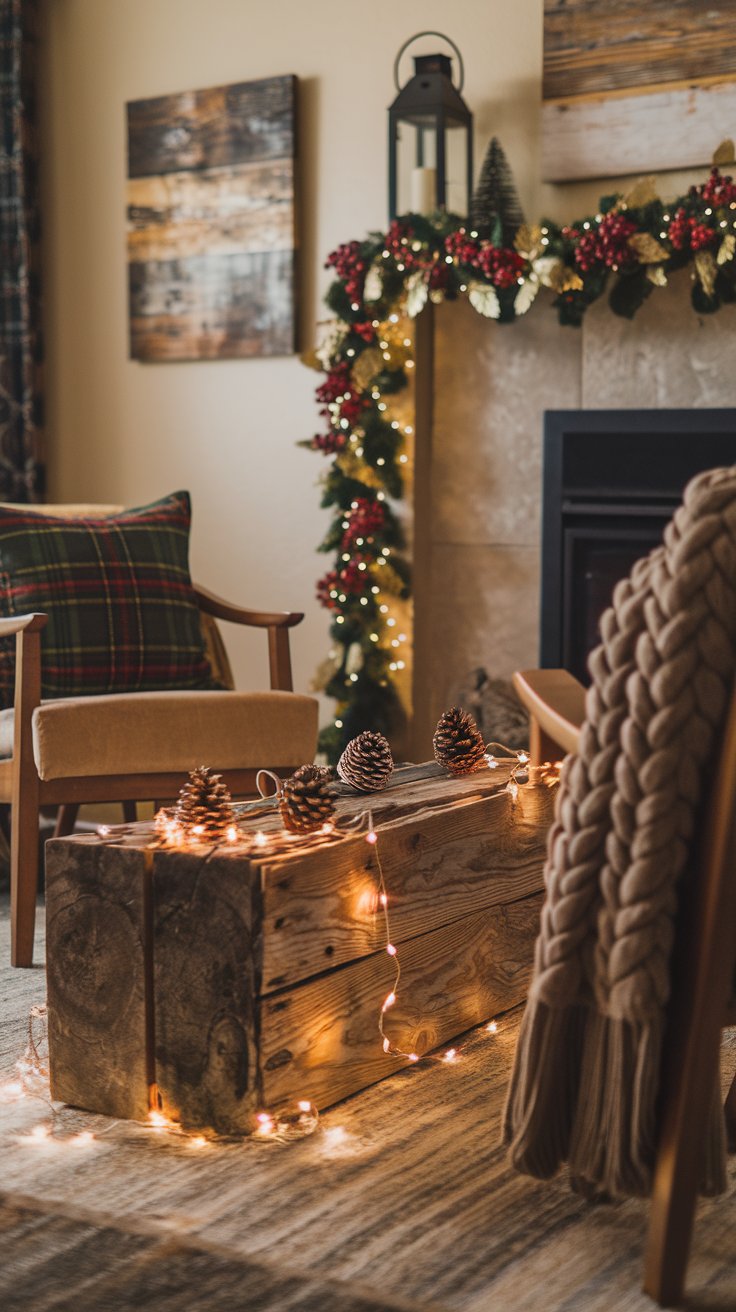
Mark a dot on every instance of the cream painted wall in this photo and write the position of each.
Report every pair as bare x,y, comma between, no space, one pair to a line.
126,432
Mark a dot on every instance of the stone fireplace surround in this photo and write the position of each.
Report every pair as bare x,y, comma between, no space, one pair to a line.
482,389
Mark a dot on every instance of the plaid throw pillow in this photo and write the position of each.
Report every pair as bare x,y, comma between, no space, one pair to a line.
117,591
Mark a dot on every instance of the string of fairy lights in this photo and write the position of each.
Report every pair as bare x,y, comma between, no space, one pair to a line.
301,1118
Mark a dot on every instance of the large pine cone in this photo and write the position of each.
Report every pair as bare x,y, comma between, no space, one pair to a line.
458,743
204,808
367,763
306,801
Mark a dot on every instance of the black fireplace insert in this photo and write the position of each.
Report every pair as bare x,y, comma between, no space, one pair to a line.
612,479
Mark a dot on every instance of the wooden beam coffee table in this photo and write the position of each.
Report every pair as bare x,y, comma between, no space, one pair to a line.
221,981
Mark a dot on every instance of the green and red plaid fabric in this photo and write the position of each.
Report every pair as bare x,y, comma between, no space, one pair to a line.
117,591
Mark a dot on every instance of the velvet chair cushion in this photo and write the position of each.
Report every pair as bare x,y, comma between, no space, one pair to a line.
122,612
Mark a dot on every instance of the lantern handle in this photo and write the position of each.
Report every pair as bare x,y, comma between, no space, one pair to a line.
416,37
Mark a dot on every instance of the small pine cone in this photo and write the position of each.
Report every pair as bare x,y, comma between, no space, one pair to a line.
204,808
458,743
306,801
367,763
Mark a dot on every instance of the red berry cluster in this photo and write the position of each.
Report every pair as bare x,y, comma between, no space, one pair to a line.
398,242
350,579
368,518
718,190
500,264
684,231
365,330
349,265
329,443
339,387
606,244
463,248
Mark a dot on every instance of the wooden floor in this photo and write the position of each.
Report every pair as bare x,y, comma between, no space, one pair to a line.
401,1200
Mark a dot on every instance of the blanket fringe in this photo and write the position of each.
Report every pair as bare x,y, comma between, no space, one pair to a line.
585,1090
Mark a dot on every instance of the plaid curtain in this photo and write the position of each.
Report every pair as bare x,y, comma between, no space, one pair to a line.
21,466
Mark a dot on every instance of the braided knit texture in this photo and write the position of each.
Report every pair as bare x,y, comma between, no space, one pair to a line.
623,826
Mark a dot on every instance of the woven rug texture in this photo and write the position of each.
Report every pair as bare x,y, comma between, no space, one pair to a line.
402,1199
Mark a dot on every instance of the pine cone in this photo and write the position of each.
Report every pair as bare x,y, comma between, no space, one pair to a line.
367,763
306,801
204,808
458,743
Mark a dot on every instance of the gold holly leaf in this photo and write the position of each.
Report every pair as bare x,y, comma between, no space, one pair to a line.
725,153
706,269
642,193
528,240
311,360
727,249
656,274
558,276
368,364
648,250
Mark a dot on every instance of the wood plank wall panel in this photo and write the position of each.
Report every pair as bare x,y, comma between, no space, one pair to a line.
604,45
631,88
211,222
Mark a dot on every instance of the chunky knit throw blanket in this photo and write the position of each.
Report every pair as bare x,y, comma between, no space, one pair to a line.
586,1077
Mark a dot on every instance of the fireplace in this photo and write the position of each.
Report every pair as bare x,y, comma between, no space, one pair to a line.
612,479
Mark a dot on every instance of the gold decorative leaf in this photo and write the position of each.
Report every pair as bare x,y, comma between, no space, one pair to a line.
727,249
563,279
528,240
484,300
706,269
643,192
311,360
368,364
725,153
657,275
648,249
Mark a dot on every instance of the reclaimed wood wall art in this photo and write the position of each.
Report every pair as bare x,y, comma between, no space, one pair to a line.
631,87
211,232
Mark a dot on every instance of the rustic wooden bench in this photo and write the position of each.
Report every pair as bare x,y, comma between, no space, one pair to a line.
220,983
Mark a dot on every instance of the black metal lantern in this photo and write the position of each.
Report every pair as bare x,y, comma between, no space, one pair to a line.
441,136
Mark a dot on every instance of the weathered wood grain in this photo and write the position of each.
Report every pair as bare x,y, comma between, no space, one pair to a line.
223,125
212,307
96,977
320,1040
320,910
606,45
667,128
217,212
205,985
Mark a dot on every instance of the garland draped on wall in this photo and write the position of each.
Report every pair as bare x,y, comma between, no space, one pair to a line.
21,468
629,246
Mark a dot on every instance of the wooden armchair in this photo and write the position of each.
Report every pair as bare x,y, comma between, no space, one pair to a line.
704,980
137,746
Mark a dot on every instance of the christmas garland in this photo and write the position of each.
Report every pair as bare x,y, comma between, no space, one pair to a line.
382,283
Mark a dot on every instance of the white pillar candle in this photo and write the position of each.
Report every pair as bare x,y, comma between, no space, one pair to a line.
423,185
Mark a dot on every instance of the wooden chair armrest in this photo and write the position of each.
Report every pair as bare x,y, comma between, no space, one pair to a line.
22,624
277,623
555,701
226,610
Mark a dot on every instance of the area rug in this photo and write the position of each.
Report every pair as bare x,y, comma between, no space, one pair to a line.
402,1199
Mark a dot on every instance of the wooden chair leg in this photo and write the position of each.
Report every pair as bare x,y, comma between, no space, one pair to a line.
130,812
24,840
66,818
675,1188
730,1112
